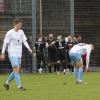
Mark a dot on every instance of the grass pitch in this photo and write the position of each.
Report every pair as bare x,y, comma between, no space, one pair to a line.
52,87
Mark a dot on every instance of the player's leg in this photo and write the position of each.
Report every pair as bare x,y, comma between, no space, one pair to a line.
55,62
17,74
10,78
65,69
12,75
50,61
63,61
80,77
40,65
44,63
49,66
38,62
69,64
58,67
16,63
76,70
55,66
58,62
79,66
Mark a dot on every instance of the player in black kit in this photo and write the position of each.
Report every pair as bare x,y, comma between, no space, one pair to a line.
40,54
70,44
52,54
61,53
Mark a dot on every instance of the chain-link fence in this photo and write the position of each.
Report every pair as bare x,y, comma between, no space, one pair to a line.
55,18
47,16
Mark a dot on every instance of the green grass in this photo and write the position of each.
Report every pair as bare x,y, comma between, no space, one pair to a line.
52,87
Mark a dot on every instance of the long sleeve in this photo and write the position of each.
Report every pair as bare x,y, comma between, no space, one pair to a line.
87,60
25,41
26,44
6,41
4,47
88,57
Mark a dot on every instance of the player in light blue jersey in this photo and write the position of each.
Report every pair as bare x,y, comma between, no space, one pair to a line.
13,42
76,54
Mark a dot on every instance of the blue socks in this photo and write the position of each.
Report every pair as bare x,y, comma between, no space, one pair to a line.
17,78
10,78
78,72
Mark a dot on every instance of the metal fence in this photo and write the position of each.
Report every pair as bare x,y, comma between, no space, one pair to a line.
42,17
13,9
39,16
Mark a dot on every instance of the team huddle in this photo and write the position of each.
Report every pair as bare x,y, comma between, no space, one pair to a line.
54,51
58,54
63,54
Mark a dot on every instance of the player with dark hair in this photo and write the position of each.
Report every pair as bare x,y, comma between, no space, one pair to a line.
61,53
52,54
40,54
13,42
69,46
76,39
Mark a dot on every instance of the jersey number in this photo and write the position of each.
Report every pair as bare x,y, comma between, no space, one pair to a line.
60,44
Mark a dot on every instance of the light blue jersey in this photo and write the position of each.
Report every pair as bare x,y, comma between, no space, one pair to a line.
78,50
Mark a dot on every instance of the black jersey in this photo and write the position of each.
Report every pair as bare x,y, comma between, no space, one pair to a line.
60,44
61,49
51,46
40,46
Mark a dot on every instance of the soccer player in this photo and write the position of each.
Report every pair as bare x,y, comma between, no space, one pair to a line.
46,52
77,39
40,54
61,53
13,43
52,54
75,54
69,46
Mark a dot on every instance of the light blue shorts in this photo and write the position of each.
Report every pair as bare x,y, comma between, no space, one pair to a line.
75,57
15,61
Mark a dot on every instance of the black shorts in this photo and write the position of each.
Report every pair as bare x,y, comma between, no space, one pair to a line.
52,56
68,58
61,55
40,56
